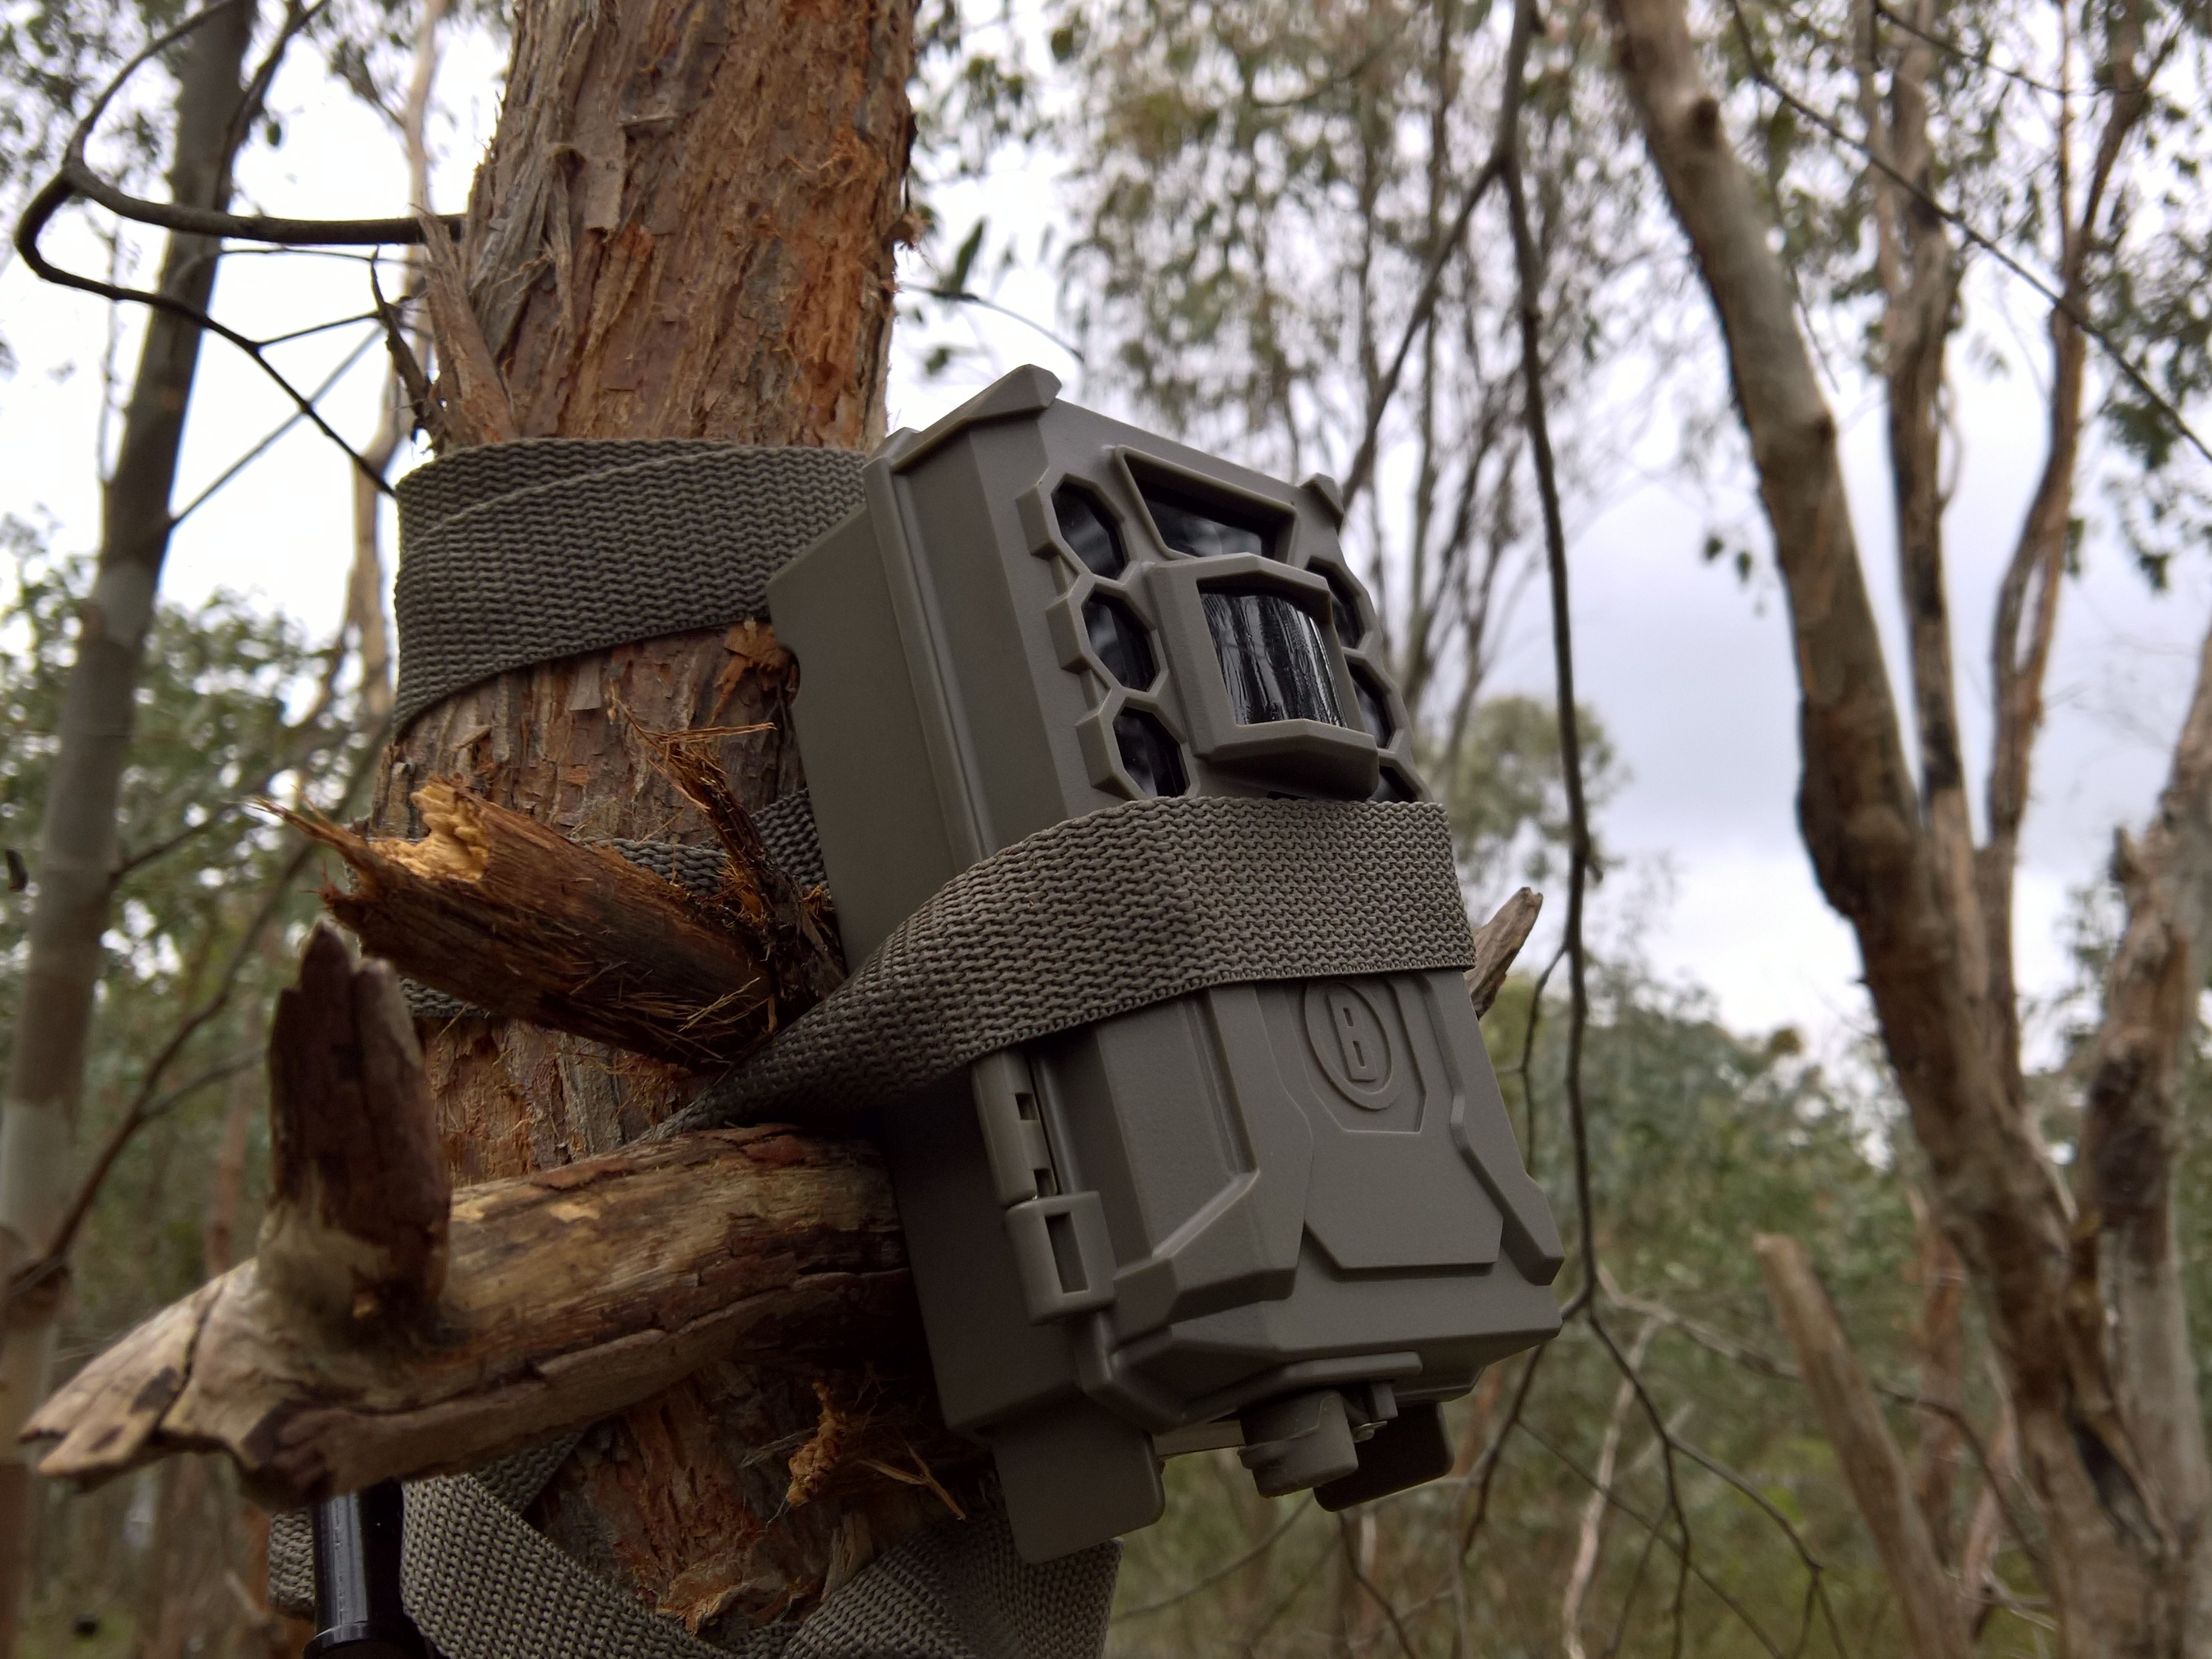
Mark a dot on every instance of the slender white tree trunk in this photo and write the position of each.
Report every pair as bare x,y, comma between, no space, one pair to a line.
76,844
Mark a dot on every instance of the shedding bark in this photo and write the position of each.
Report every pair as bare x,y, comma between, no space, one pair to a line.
1873,1466
685,228
1940,1336
76,838
2131,1123
2113,1545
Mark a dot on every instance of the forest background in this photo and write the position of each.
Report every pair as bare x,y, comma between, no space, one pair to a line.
1210,219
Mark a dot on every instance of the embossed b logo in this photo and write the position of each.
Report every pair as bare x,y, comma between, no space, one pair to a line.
1351,1040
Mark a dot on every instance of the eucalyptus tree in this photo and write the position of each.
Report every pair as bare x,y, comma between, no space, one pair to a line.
1899,144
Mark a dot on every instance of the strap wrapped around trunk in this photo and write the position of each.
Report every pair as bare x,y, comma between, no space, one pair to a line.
1105,914
519,553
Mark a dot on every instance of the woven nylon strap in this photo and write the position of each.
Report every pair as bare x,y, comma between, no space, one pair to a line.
481,1584
518,553
1103,914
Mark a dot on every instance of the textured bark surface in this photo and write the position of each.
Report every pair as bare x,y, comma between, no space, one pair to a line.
2116,1561
2131,1125
684,229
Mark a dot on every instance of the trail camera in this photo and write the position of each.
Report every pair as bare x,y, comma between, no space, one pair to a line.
1287,1217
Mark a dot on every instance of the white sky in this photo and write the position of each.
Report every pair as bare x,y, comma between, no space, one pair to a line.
1689,669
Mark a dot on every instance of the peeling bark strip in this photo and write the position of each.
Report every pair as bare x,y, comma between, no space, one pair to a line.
496,908
1873,1466
569,1294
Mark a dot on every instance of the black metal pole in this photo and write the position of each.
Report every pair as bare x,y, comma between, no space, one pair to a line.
358,1611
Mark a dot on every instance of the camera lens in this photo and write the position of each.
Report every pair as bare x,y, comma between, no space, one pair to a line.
1272,657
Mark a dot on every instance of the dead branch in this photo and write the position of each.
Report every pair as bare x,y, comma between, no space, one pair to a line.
356,1222
475,408
516,919
569,1294
1868,1453
1497,942
1587,1544
377,1336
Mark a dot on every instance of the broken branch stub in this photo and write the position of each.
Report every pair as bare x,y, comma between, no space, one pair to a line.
496,908
1497,943
357,1215
388,1329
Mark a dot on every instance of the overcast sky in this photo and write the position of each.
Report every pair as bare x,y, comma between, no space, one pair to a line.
1688,668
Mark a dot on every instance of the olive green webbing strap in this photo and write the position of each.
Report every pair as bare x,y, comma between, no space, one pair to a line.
520,553
481,1582
1108,913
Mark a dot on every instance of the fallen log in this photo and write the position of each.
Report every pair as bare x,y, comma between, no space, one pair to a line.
376,1336
492,906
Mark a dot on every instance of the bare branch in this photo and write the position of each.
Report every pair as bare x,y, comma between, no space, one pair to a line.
77,178
1873,1466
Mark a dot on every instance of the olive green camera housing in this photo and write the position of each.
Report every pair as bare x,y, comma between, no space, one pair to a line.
1290,1217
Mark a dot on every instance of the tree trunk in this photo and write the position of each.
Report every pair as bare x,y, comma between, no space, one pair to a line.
76,840
365,584
685,228
1867,1453
2111,1547
2131,1133
2027,599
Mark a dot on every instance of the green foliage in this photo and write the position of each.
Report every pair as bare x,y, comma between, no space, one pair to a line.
2010,160
1260,191
1506,792
232,707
